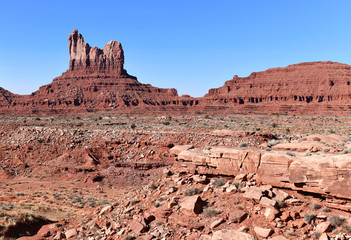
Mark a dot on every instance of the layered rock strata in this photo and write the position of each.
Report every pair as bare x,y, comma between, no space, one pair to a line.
327,175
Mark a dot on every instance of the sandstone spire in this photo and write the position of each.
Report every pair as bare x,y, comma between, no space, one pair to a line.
85,59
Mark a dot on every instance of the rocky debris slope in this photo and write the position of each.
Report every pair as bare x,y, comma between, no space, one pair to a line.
186,206
123,178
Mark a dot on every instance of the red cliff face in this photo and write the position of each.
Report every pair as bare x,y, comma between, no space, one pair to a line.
304,88
314,82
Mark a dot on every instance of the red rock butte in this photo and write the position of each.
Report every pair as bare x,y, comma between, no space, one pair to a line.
97,81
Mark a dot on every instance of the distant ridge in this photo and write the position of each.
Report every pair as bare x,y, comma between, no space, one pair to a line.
97,81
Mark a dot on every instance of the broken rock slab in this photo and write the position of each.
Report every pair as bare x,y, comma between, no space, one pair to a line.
230,234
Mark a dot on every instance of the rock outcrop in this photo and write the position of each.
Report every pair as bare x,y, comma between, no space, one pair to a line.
85,59
325,174
95,81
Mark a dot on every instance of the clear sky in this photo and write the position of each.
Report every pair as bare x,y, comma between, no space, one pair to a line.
190,45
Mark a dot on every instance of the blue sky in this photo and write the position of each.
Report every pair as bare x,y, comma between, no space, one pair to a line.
190,45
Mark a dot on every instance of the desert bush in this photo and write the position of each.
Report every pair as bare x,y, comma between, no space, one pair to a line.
280,203
315,206
211,212
325,209
309,217
346,151
218,182
132,126
129,237
243,144
336,221
191,191
238,185
317,235
153,186
307,153
166,123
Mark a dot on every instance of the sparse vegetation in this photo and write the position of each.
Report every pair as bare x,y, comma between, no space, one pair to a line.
218,182
209,212
309,217
191,191
243,144
315,206
307,153
325,209
280,203
336,220
129,237
317,235
133,126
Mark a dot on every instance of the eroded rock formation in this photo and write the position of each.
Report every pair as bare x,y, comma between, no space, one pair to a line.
85,59
95,81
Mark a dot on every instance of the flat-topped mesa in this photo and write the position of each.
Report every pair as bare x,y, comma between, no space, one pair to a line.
87,60
311,82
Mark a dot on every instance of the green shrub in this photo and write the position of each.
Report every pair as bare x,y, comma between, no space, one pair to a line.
132,126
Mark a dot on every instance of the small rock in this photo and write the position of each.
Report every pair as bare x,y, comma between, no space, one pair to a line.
324,236
230,234
106,209
263,232
71,233
280,237
216,223
271,213
200,179
191,204
323,227
268,202
285,216
138,225
231,189
240,177
253,193
237,216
